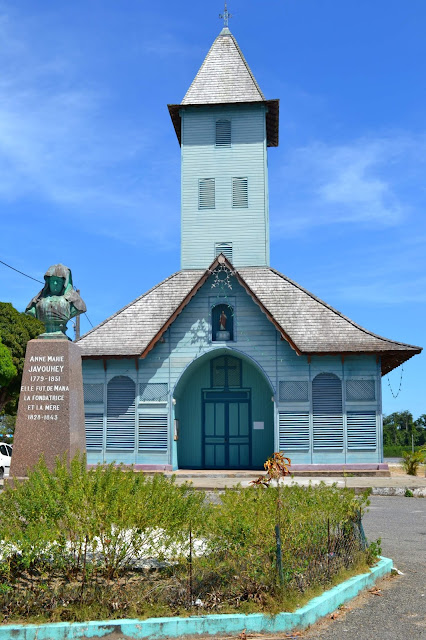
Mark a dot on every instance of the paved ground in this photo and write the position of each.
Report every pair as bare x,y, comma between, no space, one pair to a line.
400,612
395,485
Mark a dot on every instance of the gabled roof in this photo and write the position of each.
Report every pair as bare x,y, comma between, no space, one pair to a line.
308,324
225,78
224,75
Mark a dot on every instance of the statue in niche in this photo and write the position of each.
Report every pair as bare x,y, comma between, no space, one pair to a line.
57,302
222,321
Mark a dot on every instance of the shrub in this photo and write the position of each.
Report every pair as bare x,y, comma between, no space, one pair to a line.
63,517
73,541
412,461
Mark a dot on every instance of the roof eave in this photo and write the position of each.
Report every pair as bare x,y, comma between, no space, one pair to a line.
272,117
390,359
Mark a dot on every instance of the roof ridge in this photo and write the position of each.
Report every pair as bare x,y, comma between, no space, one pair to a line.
117,313
200,69
237,46
339,313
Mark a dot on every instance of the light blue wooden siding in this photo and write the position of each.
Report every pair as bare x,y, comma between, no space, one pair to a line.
257,341
246,228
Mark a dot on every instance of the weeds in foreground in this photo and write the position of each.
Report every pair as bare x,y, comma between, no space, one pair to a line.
106,543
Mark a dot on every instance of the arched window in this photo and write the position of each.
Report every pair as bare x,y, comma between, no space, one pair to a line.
121,413
222,322
327,408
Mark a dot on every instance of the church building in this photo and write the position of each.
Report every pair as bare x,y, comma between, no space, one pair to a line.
228,360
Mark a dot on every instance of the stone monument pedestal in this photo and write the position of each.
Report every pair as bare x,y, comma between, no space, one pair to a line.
50,418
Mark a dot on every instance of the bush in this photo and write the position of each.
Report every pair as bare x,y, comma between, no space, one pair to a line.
80,544
61,518
412,461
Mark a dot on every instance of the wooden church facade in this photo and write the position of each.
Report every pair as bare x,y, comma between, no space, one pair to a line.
227,360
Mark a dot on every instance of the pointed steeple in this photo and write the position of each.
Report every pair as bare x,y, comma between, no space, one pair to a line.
224,76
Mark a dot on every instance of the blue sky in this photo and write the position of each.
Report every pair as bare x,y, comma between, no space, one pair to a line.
90,164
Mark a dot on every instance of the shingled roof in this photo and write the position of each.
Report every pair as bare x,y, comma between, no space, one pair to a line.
310,325
225,78
224,75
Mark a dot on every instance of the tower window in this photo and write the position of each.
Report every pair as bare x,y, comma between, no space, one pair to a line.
225,248
239,193
206,193
223,133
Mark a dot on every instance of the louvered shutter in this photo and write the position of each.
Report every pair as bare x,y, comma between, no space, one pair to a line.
294,431
327,411
94,423
225,248
152,431
361,426
223,133
206,193
121,414
239,193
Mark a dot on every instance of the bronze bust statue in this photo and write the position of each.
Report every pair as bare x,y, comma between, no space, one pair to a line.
57,302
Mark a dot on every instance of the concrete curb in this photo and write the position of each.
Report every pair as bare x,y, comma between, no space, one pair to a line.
418,492
226,624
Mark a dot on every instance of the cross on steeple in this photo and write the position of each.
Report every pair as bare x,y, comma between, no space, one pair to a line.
225,16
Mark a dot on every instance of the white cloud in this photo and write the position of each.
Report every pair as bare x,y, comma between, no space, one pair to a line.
59,146
358,183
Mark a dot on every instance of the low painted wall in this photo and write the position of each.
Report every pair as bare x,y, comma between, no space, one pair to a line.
214,625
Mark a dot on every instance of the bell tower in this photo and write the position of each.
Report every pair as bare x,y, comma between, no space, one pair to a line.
224,125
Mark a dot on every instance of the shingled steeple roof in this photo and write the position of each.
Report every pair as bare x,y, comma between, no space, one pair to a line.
224,75
225,78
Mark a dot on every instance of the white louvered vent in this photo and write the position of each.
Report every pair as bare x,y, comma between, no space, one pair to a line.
327,410
362,430
93,393
294,431
121,414
94,423
153,392
360,390
152,432
223,133
206,193
225,248
239,193
293,391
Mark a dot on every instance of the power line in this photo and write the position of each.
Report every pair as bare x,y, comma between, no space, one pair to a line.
88,320
21,272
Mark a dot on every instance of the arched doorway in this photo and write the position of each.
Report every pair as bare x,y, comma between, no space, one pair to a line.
225,414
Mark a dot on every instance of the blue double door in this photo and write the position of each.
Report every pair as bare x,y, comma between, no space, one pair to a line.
226,433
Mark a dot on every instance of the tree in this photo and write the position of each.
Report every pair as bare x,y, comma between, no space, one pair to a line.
15,330
399,428
7,368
